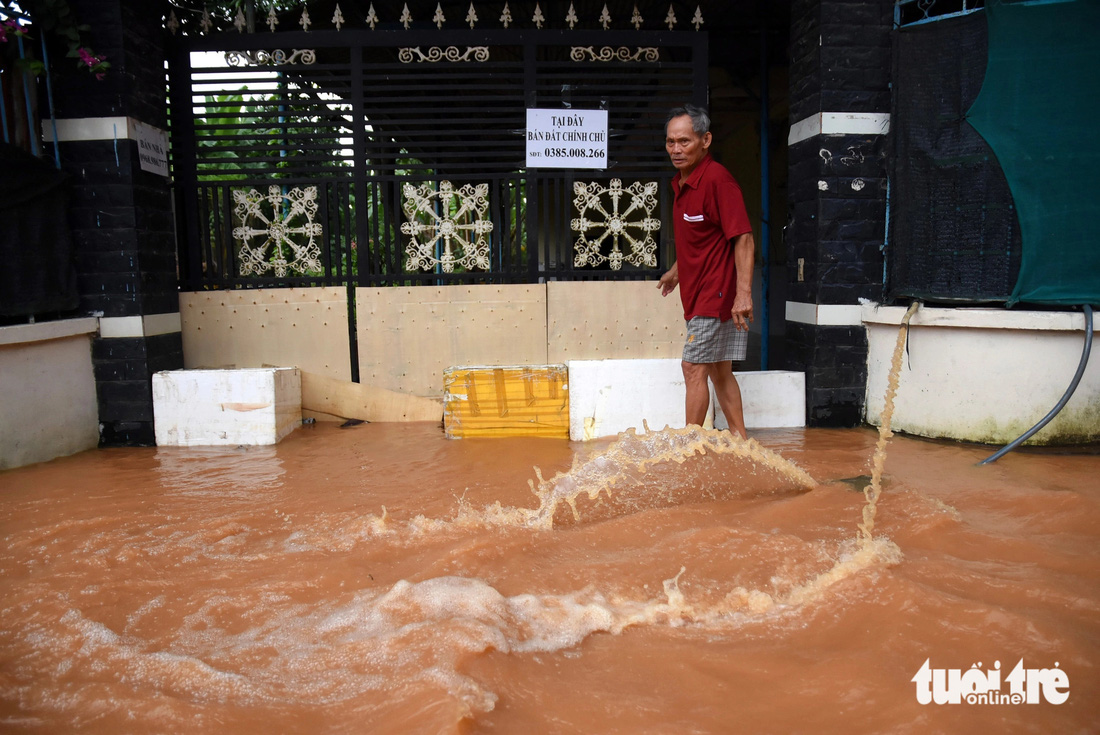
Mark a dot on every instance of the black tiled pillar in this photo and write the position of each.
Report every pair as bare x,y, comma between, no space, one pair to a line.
840,102
121,213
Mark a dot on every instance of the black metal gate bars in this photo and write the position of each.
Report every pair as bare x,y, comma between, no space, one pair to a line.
389,157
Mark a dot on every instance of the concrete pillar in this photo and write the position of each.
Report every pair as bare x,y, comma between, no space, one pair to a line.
840,102
111,142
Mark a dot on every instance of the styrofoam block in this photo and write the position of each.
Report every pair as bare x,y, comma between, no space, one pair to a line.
771,399
610,396
226,407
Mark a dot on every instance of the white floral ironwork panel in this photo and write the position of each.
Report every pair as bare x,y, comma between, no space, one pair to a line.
277,231
278,57
408,55
604,215
454,216
608,53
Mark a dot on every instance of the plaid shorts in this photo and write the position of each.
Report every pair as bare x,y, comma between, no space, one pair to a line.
711,340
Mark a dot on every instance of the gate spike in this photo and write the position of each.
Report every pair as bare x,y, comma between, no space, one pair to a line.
471,17
506,16
240,21
636,19
305,21
372,17
572,17
538,17
173,23
605,17
272,20
406,17
671,17
698,19
338,17
438,18
206,23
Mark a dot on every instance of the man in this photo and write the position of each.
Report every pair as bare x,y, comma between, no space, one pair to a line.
714,260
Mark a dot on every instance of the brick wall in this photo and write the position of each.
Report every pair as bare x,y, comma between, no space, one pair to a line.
840,63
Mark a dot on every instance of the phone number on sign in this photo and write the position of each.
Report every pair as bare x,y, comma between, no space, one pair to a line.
573,153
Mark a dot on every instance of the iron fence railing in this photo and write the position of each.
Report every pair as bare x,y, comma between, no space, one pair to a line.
347,159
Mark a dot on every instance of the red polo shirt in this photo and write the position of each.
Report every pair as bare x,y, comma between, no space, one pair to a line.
708,212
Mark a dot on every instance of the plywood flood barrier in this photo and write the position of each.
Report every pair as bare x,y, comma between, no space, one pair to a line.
255,328
409,336
612,320
341,399
517,400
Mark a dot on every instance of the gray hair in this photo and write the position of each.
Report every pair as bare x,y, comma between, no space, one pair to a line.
700,121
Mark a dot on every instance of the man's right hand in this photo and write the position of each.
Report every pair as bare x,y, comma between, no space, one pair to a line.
667,282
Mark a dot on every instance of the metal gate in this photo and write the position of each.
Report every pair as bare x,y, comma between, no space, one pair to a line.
375,158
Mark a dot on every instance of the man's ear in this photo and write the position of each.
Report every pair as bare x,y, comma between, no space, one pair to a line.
707,138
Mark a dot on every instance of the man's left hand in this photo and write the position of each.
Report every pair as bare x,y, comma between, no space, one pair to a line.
742,312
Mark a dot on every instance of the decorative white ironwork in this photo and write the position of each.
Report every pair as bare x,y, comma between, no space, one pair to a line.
471,16
240,21
272,20
304,21
697,20
338,17
571,18
372,17
173,23
406,17
506,16
671,17
281,217
278,57
608,53
615,223
408,55
455,216
538,18
636,19
605,18
438,17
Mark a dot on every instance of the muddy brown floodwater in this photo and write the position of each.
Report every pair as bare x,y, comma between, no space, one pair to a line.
383,579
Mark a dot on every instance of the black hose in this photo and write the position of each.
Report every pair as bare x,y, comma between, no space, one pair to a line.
1061,404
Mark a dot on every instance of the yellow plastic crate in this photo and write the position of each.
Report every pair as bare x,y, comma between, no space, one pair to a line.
517,400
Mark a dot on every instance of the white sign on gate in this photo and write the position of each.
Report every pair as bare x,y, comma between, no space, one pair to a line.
152,147
566,138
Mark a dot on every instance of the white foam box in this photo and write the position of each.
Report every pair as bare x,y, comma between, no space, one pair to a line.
610,396
226,407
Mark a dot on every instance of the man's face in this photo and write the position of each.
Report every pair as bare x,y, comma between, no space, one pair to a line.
685,147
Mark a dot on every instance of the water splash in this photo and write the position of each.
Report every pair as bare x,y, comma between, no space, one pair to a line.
632,455
874,489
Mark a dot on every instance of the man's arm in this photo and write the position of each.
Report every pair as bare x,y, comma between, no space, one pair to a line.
744,257
668,281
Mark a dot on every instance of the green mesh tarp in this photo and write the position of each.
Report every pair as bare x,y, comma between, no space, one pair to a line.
1038,109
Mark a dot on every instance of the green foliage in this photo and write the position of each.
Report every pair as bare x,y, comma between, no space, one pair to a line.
54,18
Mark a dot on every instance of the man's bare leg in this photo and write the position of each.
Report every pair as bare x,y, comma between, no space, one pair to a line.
697,400
729,395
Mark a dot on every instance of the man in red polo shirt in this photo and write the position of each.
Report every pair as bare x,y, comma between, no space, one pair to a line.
714,260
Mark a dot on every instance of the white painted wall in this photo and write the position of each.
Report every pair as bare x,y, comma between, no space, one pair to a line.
47,391
983,375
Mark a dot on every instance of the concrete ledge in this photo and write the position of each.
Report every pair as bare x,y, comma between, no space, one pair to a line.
226,407
42,331
609,396
975,318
